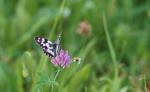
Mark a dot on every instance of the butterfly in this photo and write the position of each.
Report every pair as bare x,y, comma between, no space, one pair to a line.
51,49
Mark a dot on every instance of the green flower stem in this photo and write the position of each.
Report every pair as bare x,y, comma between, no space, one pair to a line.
56,75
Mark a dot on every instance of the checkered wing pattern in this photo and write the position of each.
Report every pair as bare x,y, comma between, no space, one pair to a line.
50,49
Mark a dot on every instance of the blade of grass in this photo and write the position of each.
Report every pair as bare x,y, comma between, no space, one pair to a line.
57,18
112,52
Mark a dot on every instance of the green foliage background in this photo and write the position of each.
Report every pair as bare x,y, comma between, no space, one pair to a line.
114,58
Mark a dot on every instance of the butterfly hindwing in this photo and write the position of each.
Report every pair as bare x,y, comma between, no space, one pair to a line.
56,49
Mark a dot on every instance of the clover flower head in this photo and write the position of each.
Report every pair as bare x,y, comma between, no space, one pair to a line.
62,59
84,28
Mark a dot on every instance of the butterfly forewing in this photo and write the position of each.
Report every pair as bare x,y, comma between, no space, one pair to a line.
49,48
46,45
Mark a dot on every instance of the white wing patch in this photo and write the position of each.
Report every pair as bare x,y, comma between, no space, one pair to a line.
49,48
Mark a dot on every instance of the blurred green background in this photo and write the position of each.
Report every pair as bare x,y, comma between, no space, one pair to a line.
112,38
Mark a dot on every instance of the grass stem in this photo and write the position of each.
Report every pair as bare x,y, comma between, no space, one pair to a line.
56,75
112,52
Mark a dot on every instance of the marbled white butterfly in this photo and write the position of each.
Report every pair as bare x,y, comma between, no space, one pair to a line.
51,49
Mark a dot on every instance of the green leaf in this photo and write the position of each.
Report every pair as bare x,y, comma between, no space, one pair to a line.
79,79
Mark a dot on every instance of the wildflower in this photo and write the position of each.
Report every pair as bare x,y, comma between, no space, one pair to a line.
62,59
84,28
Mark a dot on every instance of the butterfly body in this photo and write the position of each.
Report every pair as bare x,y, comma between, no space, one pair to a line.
51,49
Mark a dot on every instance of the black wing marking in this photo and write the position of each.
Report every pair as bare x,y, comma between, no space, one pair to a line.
49,48
46,45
